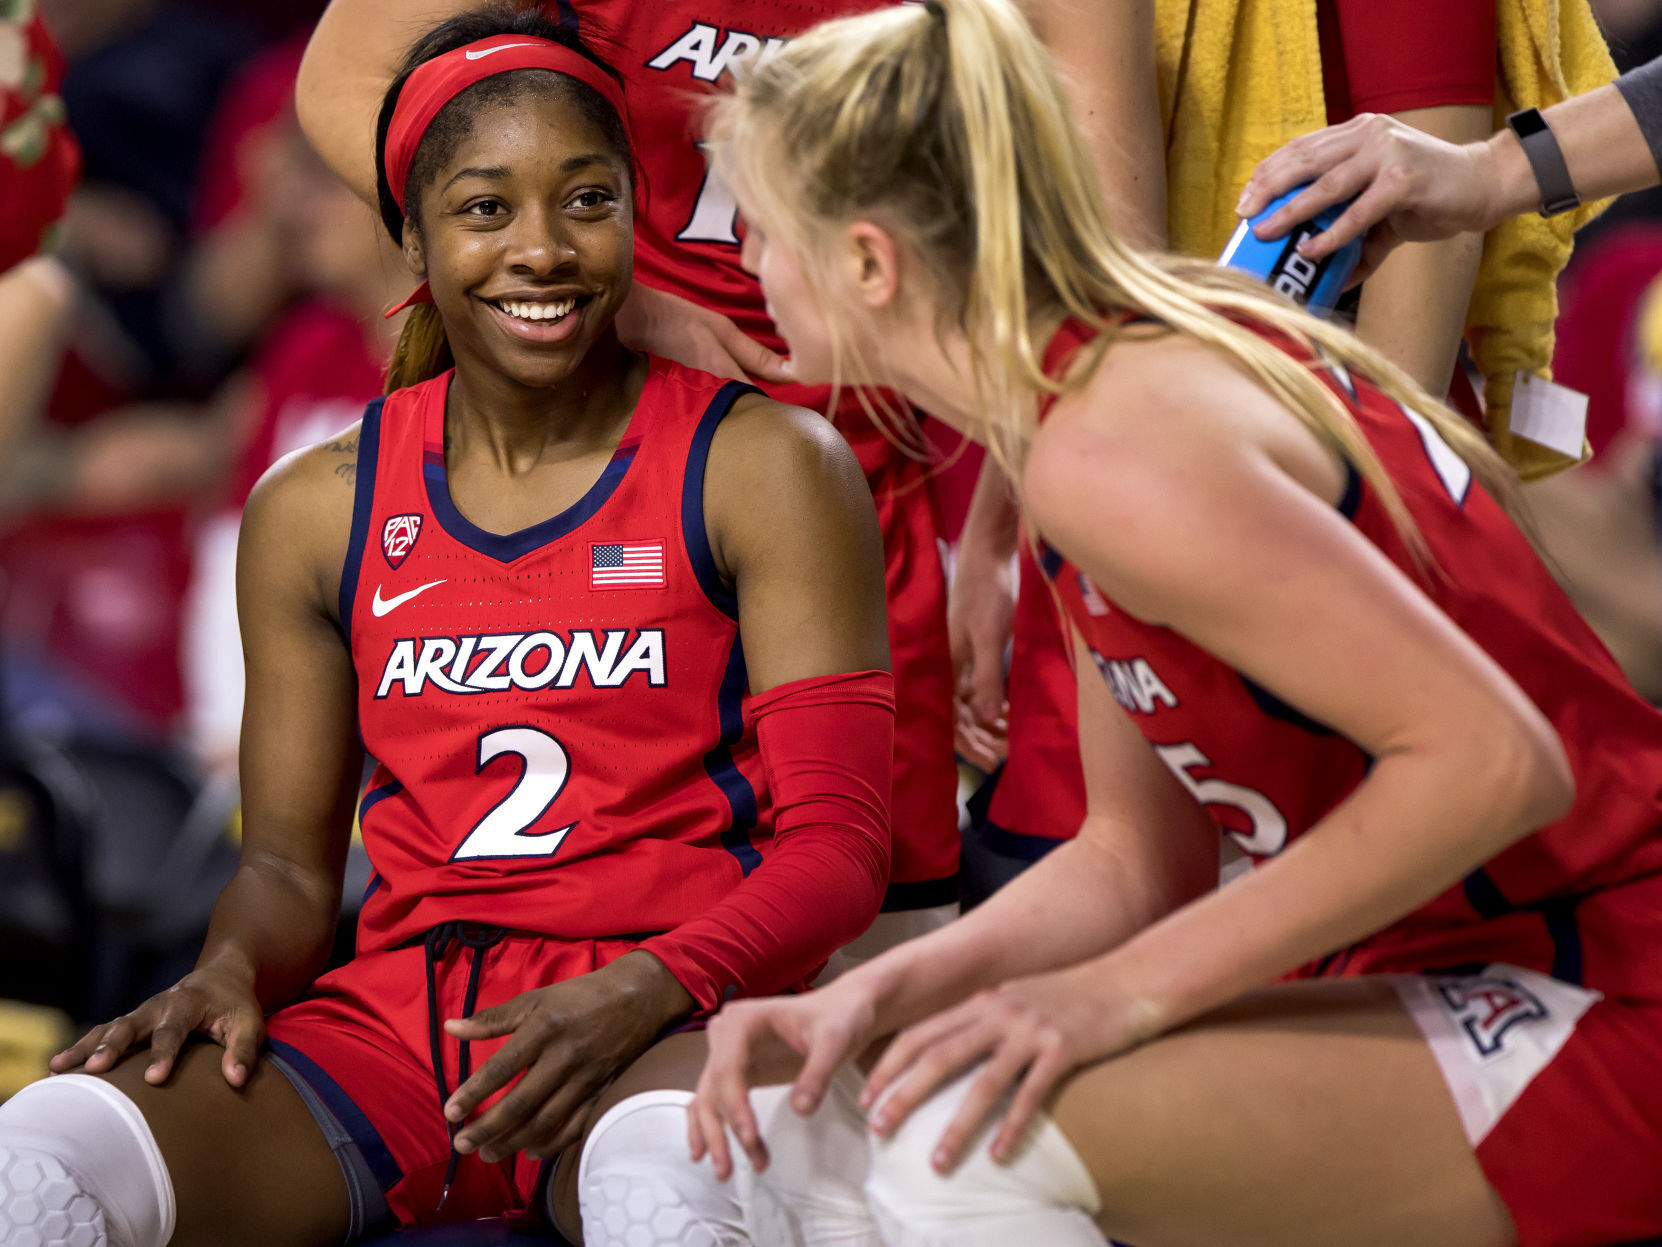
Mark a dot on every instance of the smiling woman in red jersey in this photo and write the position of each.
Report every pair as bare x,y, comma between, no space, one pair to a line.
610,630
1309,623
694,302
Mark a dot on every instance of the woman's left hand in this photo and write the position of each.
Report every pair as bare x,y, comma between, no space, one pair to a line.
1030,1033
569,1040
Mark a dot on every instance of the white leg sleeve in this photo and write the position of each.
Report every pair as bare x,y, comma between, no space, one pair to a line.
1045,1195
79,1167
637,1186
812,1192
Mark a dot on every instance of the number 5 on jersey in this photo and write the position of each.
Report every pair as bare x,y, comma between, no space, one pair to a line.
544,769
1269,828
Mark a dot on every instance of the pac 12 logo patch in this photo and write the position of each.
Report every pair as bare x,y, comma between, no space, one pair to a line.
1487,1006
398,538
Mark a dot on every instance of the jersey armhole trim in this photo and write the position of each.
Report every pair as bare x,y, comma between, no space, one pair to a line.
363,505
695,536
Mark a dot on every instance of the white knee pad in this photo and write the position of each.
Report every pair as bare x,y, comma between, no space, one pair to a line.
812,1194
79,1167
638,1187
1045,1195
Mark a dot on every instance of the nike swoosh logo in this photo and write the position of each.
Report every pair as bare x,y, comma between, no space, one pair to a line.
476,56
380,606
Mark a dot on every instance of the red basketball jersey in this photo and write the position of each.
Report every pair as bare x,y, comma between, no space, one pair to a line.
1560,899
554,713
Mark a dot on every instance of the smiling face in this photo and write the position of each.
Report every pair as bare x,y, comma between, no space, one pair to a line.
526,237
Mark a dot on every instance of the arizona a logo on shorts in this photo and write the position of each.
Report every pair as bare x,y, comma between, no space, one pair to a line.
398,538
1486,1006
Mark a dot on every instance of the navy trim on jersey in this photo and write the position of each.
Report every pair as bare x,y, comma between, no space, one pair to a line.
1566,939
1017,844
372,887
363,506
1489,901
506,547
1049,561
375,796
1484,896
377,1155
693,533
719,764
1273,706
1351,500
921,894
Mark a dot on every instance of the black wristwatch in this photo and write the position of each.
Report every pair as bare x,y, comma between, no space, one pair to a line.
1540,146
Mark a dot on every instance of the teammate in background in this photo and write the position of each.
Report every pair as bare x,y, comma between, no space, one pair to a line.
1409,187
524,581
1298,577
693,302
39,164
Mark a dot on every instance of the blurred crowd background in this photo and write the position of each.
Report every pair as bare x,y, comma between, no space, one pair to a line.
214,301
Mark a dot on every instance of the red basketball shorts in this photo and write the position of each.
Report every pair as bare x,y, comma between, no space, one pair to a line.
363,1043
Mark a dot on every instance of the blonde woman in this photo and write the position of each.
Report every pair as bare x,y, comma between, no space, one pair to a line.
1433,1013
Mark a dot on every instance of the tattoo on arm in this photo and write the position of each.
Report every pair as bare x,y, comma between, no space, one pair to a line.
346,446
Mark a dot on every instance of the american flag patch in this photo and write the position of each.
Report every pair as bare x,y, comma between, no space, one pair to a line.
627,565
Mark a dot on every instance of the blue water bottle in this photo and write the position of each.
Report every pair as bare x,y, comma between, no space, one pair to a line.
1315,283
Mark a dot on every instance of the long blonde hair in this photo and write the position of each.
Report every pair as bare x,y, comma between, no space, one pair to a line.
948,120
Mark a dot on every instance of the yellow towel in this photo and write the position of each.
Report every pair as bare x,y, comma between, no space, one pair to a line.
1238,78
1549,51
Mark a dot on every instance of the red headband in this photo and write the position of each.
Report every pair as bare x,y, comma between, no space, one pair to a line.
435,83
438,81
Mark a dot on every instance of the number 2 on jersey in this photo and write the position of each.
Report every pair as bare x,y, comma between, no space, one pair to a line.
545,768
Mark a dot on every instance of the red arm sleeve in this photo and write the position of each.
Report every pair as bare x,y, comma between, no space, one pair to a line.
827,745
1411,54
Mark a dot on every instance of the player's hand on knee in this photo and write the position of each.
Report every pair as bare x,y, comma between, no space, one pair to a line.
1026,1035
669,326
757,1042
565,1043
214,1002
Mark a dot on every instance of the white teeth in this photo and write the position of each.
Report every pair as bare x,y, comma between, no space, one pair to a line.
537,311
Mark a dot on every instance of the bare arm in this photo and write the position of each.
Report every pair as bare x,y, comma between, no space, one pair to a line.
37,301
1145,848
1105,52
1414,305
348,64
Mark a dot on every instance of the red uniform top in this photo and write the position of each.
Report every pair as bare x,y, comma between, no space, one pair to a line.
1266,772
687,243
554,713
1391,58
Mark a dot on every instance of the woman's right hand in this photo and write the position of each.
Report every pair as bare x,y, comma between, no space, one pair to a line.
1405,186
757,1042
219,1003
669,326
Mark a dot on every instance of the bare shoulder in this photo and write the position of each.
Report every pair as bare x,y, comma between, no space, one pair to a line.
1163,416
781,477
298,519
767,451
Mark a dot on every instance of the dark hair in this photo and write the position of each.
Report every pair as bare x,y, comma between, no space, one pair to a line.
455,120
422,351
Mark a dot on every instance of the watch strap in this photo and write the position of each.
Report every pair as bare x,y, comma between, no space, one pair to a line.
1546,159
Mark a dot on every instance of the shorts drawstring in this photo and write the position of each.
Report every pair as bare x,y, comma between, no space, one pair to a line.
437,943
